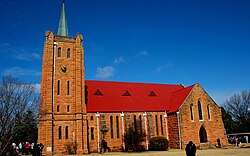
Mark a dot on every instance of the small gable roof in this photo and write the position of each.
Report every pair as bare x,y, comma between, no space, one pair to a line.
134,97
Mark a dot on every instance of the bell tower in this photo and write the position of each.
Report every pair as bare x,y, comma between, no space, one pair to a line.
62,113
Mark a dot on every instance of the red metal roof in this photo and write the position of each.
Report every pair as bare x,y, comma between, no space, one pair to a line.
107,96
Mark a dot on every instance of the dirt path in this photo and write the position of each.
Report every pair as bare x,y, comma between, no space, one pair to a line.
176,152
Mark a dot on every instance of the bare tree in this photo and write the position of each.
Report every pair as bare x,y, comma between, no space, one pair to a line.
238,106
16,99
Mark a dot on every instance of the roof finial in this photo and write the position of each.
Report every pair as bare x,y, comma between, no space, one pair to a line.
63,26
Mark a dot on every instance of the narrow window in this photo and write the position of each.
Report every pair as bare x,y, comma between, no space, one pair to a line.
67,132
140,124
91,118
68,88
200,110
92,133
111,127
68,53
58,87
58,108
208,112
135,124
60,132
161,125
156,124
59,52
117,127
191,112
68,108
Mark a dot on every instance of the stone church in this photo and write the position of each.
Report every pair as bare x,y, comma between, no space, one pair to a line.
75,110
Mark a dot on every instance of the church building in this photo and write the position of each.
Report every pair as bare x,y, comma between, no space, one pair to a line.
78,111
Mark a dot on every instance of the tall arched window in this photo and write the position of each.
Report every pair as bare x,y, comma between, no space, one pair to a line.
191,112
68,53
200,110
60,132
57,108
156,124
68,108
117,127
59,52
208,112
67,132
68,88
135,123
58,87
111,127
161,125
140,120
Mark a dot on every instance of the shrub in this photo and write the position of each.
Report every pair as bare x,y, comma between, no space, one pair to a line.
158,144
71,147
133,140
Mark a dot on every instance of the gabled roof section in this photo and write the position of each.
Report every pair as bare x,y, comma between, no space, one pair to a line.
166,97
63,26
178,97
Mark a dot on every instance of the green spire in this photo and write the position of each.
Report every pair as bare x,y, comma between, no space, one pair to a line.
63,27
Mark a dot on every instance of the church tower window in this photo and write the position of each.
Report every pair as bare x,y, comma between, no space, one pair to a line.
58,108
67,132
60,132
58,87
59,52
68,53
200,110
68,88
68,108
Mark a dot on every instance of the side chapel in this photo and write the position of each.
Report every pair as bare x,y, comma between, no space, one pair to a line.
75,110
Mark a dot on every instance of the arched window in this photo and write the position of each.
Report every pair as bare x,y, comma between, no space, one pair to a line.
68,53
111,127
208,112
60,132
59,52
58,87
91,118
191,112
92,133
67,132
68,108
161,125
135,123
58,108
117,127
68,88
156,124
200,110
140,120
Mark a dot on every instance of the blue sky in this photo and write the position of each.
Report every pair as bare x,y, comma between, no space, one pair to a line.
155,41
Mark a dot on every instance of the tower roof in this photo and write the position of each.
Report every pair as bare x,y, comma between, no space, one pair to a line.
63,26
